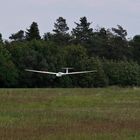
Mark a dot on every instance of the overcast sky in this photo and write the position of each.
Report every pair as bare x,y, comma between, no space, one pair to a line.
19,14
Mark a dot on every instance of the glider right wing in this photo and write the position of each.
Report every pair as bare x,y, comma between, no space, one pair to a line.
37,71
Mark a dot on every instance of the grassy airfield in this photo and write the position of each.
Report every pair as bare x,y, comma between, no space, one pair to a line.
70,114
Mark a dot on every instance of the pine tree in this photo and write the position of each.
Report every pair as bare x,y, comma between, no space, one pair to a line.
120,32
60,26
19,36
61,35
1,40
82,33
33,32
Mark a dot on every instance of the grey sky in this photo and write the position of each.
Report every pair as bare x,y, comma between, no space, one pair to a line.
19,14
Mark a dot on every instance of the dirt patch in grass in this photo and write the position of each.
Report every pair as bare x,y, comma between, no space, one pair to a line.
88,127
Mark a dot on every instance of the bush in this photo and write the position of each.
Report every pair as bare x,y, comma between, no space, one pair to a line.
122,73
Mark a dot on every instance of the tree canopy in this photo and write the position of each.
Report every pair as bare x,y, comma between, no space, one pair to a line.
108,51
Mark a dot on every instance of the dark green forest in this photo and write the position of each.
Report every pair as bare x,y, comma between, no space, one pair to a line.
115,58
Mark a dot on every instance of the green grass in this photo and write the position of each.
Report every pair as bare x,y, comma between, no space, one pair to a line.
70,114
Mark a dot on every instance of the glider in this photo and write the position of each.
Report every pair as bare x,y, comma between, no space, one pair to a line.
60,74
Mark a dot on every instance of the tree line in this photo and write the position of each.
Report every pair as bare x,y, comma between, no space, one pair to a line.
115,58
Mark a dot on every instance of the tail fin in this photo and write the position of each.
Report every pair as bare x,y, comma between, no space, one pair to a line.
67,69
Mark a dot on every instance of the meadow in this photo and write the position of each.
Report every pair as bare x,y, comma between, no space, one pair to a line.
70,114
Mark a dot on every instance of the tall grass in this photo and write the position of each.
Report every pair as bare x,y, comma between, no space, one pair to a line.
70,114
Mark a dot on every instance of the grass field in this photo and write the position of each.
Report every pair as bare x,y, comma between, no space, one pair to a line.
70,114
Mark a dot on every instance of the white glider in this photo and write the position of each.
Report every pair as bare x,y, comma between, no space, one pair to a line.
59,74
